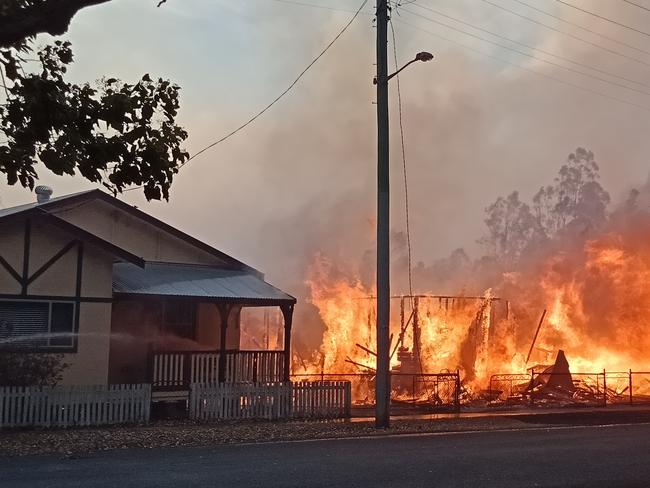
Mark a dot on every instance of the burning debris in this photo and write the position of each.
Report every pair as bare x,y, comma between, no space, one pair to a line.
554,381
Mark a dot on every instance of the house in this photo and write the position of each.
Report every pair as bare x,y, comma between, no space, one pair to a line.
128,298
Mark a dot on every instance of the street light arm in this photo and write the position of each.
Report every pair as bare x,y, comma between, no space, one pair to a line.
402,69
423,56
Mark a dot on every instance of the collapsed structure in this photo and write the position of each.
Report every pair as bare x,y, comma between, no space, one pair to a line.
447,350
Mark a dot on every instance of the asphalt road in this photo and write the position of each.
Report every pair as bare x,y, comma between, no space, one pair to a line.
615,456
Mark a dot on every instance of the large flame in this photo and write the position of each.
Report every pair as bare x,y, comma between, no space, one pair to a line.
599,303
454,331
596,297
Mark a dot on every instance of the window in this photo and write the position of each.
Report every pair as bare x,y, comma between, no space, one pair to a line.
36,325
179,318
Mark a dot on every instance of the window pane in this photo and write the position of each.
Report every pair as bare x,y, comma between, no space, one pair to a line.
23,324
62,324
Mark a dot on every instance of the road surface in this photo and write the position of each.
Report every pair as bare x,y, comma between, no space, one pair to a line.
609,456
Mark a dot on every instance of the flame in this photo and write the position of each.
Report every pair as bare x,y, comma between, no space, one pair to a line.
596,296
600,303
446,327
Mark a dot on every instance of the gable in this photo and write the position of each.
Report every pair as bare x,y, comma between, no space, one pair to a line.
45,258
134,234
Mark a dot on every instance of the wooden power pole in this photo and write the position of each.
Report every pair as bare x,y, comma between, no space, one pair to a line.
382,388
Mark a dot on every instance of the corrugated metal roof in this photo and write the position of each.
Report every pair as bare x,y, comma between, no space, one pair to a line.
183,280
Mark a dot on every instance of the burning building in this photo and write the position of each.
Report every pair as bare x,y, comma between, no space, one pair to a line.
592,296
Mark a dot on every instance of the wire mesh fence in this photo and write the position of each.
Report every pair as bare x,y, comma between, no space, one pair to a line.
541,388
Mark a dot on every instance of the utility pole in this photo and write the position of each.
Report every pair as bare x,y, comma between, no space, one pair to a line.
382,379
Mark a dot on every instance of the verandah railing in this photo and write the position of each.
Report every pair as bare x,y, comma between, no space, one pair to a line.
178,369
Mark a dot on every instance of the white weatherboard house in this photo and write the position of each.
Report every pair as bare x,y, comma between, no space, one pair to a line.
128,298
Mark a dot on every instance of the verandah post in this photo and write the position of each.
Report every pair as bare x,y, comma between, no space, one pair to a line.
224,313
287,314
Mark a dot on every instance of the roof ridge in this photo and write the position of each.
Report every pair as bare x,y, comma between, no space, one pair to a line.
135,212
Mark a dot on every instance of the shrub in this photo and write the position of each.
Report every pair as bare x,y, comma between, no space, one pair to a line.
32,369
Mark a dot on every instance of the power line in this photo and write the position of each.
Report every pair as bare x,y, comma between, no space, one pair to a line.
276,99
572,36
602,17
583,65
560,19
637,5
314,5
523,68
406,184
522,53
406,192
293,83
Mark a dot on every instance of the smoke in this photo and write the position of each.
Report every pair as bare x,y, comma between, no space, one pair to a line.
301,181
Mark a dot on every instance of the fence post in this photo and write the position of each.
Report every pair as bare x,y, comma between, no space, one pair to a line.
457,392
604,388
347,398
630,387
413,388
532,382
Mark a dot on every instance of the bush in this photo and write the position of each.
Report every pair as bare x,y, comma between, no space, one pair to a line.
20,369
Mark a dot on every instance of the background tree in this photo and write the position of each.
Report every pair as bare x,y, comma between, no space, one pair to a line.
512,227
575,204
113,133
577,198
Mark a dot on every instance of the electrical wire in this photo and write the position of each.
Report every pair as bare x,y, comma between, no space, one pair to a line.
523,68
532,48
406,203
602,17
509,63
276,99
577,38
314,5
286,90
572,70
560,19
637,5
406,185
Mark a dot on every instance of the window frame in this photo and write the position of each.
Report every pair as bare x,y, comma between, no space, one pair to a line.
72,347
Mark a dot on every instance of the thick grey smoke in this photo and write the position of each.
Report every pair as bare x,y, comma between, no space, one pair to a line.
301,179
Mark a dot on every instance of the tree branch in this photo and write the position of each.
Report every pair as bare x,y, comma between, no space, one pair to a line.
49,16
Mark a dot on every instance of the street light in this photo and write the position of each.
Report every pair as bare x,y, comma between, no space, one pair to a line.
382,378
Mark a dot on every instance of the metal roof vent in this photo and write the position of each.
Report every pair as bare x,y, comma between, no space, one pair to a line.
43,193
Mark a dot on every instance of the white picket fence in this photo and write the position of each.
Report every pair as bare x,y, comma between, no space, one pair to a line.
72,406
322,399
234,401
270,401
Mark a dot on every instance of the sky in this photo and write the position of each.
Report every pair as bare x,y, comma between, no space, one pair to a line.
480,121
